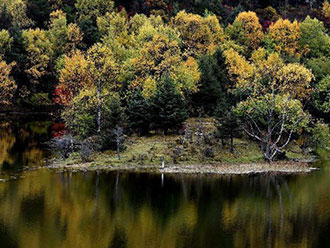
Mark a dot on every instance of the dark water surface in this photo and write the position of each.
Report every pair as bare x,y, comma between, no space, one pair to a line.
45,209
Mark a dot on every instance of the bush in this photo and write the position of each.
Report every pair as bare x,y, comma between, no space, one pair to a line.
40,99
320,138
321,95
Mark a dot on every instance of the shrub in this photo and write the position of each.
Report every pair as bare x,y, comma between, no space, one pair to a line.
40,99
321,95
320,138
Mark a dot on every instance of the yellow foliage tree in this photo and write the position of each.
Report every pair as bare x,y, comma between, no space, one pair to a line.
74,38
268,74
91,9
326,9
103,67
272,111
17,10
5,42
295,79
199,35
286,35
7,83
161,57
239,69
63,37
247,30
40,52
74,76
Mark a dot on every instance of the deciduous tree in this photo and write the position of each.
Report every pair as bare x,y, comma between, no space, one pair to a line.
5,42
39,53
247,30
321,95
314,38
272,111
162,57
199,35
18,12
74,76
286,35
7,83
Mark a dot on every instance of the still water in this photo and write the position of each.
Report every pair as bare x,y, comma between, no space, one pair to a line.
40,208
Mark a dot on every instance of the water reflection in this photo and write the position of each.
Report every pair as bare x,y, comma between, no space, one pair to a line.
134,210
21,143
48,209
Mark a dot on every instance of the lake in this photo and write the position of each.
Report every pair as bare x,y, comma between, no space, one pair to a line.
42,208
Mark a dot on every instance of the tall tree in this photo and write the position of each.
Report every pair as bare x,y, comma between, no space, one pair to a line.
138,113
212,91
169,109
272,111
88,11
105,71
39,54
74,75
286,36
247,30
18,12
314,38
199,35
160,57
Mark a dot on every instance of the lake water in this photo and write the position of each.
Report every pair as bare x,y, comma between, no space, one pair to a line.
40,208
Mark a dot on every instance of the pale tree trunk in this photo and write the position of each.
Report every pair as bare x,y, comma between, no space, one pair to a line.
270,147
98,89
119,133
118,150
199,137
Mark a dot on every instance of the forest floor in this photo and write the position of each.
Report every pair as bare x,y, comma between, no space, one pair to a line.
145,154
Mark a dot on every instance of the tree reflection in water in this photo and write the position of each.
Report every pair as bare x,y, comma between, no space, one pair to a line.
21,143
95,209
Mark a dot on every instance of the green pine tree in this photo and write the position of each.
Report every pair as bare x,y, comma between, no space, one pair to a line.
138,113
229,128
169,109
213,83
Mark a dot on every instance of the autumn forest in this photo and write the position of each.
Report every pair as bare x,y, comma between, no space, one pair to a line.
110,70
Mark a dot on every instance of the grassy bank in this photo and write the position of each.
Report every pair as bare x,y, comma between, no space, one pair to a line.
146,153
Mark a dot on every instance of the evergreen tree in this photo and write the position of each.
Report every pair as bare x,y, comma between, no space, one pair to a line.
5,18
138,113
38,11
229,128
213,83
169,109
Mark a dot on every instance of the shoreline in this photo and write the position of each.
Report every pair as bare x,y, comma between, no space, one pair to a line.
218,169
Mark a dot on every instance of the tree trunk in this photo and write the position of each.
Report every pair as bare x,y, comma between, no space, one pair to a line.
118,149
118,152
232,143
98,107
